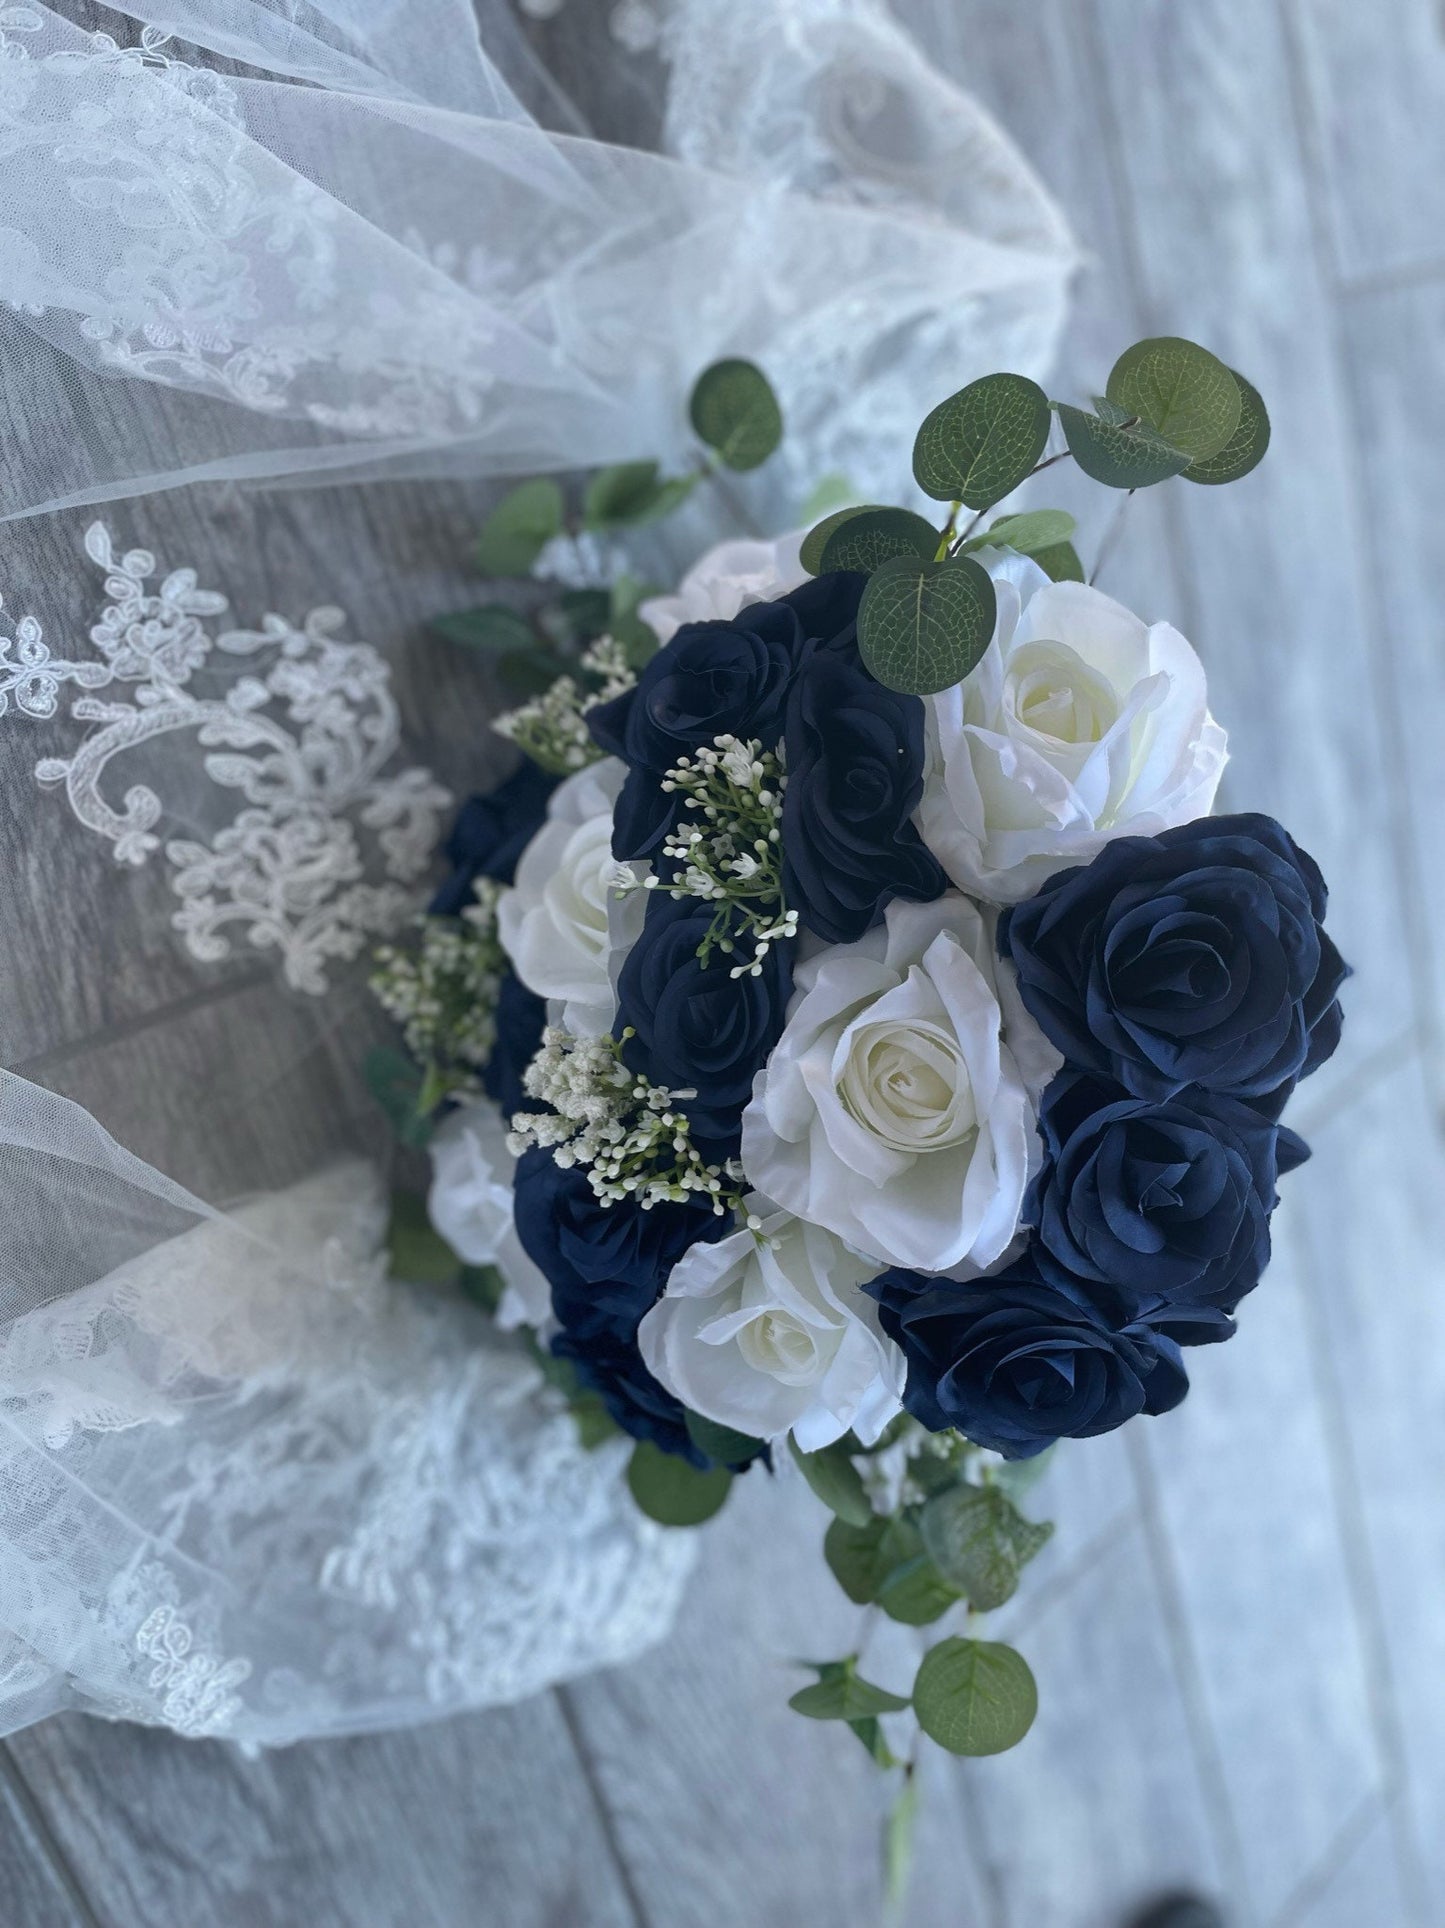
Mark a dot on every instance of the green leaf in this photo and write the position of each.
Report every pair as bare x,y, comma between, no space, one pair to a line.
630,494
638,639
1119,455
913,1591
922,626
734,411
980,1542
723,1446
975,1696
520,527
978,446
417,1251
595,1425
836,1480
395,1082
1245,448
483,1285
845,1696
874,1742
869,537
1185,394
854,1553
811,553
672,1492
578,616
493,626
528,672
1060,564
1025,534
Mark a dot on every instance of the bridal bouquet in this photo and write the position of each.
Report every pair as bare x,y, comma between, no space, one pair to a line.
848,1038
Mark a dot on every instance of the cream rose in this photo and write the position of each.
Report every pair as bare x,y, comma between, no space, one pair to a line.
1080,724
893,1111
768,1332
471,1206
726,580
562,922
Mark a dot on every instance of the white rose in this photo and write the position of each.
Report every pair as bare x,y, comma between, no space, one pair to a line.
892,1111
471,1206
726,580
562,923
769,1333
1080,724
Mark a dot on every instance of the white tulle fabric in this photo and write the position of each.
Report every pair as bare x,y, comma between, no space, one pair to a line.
248,1487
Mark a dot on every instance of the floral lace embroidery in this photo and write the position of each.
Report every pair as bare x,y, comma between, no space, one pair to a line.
195,1685
303,734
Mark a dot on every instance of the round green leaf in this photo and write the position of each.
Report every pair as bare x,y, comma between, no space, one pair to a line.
836,1480
520,527
1120,457
922,626
672,1492
978,446
1027,533
845,1696
1060,564
723,1446
493,627
980,1542
855,1555
1245,448
975,1696
1185,394
734,411
811,553
871,536
916,1593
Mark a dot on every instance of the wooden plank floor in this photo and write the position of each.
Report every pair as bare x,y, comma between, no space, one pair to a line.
1238,1632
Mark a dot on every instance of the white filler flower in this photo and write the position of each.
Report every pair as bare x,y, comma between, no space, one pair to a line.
892,1110
768,1332
562,922
471,1206
725,580
1080,724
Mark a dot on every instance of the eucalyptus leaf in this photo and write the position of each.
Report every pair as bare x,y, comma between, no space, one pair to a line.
673,1492
630,494
864,539
492,626
912,1590
1060,564
483,1285
980,1542
1026,534
836,1480
979,445
735,412
975,1696
1245,449
874,1742
1121,456
723,1446
416,1251
834,490
811,553
520,527
395,1081
1185,394
528,672
854,1554
845,1696
922,626
595,1425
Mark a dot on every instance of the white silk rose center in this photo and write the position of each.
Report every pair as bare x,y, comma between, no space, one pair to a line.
907,1083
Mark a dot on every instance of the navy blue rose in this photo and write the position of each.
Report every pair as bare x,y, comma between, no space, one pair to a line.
697,1027
521,1017
713,679
1195,957
607,1266
1013,1363
490,834
855,775
1142,1200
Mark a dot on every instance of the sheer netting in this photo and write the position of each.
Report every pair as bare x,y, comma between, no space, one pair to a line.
247,1485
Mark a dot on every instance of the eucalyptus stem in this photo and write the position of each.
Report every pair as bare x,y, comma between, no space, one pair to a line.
1048,462
1111,535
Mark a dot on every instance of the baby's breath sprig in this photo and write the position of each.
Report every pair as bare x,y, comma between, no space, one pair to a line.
727,849
442,990
552,728
632,1136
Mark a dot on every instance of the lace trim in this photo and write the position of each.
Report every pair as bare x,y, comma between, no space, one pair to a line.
330,844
